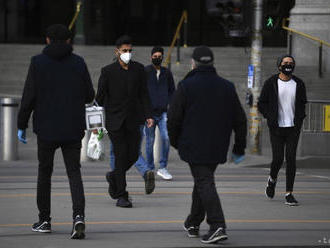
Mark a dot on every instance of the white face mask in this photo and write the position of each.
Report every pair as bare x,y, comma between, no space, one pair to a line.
126,57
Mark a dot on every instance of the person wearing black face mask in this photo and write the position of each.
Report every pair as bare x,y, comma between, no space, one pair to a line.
161,88
282,102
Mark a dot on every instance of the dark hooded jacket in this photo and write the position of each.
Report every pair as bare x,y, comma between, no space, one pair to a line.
57,87
204,111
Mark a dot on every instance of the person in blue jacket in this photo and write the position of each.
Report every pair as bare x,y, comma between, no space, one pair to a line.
161,88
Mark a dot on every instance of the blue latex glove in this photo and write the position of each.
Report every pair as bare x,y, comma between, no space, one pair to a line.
237,158
21,134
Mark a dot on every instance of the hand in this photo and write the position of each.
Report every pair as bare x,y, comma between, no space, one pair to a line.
21,134
237,158
150,123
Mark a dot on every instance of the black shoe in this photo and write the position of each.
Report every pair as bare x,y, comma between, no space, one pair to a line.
290,200
112,185
78,228
42,226
193,231
214,236
149,179
124,202
270,189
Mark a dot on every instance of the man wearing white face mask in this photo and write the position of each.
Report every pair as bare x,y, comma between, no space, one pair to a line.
123,92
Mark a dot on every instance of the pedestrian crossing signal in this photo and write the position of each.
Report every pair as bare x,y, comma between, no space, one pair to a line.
270,22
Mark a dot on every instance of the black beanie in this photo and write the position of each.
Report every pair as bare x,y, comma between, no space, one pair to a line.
203,54
58,32
280,59
157,49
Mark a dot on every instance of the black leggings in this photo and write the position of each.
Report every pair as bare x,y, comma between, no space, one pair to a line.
284,140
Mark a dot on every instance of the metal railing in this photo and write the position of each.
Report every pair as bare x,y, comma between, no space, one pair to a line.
177,38
321,42
74,19
315,120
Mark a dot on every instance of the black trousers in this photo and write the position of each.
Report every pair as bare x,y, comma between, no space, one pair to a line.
126,143
205,198
71,156
284,141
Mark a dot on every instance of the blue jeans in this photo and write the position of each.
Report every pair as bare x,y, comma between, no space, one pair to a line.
160,121
141,165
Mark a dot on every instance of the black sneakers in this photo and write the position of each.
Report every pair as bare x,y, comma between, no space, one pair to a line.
214,236
124,202
42,226
270,189
193,231
290,200
149,179
112,186
78,228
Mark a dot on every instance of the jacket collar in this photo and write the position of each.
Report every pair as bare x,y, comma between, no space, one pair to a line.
153,69
58,50
200,69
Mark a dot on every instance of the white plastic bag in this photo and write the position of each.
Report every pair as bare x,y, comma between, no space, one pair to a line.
95,148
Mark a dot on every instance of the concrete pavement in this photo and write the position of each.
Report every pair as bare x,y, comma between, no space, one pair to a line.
156,220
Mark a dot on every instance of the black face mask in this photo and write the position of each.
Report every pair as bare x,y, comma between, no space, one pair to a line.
157,61
287,69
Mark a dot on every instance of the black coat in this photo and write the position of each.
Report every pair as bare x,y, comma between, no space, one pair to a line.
268,101
57,87
124,95
204,111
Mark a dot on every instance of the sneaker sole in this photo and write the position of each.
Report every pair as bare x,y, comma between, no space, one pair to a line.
79,231
150,183
220,238
189,235
291,204
167,179
41,231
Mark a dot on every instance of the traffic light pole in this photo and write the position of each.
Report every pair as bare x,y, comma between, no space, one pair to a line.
256,50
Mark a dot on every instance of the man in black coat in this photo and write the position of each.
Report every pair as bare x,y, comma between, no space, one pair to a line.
56,90
204,111
123,92
282,102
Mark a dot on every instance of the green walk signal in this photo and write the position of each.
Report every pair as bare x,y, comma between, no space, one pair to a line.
270,22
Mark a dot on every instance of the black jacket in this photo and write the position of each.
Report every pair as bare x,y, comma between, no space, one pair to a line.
57,87
160,90
124,95
204,111
268,101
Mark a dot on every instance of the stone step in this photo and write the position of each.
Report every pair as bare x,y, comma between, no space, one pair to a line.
230,62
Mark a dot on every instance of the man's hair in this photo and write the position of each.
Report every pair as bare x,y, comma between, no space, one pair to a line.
124,39
157,49
58,33
198,64
280,59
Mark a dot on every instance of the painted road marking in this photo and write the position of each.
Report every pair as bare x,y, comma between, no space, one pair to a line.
172,221
167,193
137,176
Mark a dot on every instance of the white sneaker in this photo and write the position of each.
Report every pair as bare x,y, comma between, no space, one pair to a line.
164,174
